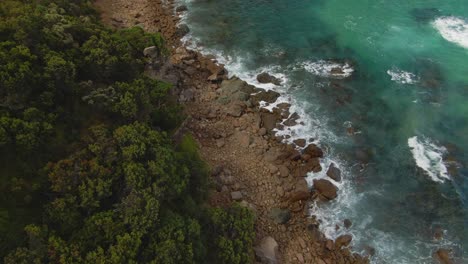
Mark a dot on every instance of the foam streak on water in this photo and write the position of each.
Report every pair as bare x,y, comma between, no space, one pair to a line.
453,29
429,157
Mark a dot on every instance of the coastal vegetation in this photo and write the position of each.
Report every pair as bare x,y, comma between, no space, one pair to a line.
89,170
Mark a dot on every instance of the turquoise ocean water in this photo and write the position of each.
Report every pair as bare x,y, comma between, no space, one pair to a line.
382,86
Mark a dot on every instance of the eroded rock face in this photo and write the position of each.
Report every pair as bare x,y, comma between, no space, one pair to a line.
267,251
326,189
267,78
334,173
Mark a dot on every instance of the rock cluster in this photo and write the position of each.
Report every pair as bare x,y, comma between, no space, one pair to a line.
237,139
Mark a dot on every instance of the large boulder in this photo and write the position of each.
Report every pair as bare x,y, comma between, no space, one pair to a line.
343,241
312,165
267,251
334,173
267,78
280,216
313,151
326,189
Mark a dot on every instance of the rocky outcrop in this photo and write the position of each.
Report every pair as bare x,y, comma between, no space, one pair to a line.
325,189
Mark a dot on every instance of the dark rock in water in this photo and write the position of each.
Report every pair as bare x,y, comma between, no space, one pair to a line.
425,15
443,256
280,216
326,189
369,250
343,241
347,223
313,151
182,30
181,8
267,78
300,142
267,96
334,173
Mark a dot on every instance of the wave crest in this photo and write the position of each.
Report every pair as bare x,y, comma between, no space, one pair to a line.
453,29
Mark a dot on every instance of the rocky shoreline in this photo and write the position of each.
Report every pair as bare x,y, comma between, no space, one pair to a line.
249,163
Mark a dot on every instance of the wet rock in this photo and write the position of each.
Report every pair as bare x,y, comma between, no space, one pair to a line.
343,241
280,216
313,151
265,96
300,142
267,78
236,196
334,173
311,165
347,223
182,30
181,8
291,121
267,251
326,189
443,256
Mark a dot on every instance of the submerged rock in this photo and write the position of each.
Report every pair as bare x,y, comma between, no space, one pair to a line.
347,223
326,189
425,14
267,78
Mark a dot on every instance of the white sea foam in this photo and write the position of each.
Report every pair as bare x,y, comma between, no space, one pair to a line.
329,69
429,157
453,29
402,77
313,125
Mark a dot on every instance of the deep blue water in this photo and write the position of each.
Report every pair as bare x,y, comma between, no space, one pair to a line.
395,120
